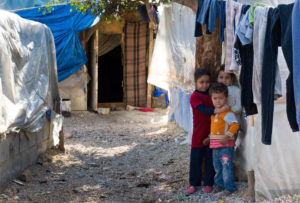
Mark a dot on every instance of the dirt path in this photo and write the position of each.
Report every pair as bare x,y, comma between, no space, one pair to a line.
120,157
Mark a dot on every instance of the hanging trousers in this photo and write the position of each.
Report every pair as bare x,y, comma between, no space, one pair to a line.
278,33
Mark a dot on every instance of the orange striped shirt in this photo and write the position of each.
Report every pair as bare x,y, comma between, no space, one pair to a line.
223,124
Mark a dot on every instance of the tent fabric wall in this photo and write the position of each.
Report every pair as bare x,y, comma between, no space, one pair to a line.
136,42
28,74
65,26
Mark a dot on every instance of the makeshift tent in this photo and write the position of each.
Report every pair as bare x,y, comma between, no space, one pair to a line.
29,99
276,167
28,73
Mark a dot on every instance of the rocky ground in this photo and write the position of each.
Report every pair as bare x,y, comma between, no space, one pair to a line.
126,156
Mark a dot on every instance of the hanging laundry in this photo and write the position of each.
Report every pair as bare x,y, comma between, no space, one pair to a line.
296,56
233,14
246,58
252,14
207,13
260,26
245,31
222,17
278,33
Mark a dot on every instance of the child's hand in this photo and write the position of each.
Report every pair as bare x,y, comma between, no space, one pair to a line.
206,141
224,140
225,108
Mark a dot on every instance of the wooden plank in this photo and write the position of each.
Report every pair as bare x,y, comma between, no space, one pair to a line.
111,105
93,66
149,86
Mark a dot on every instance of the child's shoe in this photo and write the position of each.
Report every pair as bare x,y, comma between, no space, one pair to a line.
191,189
208,189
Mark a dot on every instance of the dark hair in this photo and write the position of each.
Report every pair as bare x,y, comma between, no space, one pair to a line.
232,75
199,72
218,88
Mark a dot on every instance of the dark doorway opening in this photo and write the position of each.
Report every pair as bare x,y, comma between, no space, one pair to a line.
110,75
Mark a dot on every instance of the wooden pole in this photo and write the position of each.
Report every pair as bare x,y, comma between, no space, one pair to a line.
149,86
93,69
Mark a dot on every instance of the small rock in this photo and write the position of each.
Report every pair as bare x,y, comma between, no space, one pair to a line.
103,111
68,135
77,190
4,196
43,181
93,165
101,196
143,184
26,176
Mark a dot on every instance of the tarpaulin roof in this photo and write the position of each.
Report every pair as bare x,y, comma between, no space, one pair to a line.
64,24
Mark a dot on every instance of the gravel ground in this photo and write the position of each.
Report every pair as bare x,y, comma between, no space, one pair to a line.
126,156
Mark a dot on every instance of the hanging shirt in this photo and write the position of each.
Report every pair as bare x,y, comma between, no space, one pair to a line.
207,13
245,31
251,13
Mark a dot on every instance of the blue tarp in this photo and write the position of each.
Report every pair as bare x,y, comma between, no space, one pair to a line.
65,26
21,4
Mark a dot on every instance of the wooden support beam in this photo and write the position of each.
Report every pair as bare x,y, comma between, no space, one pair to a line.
93,70
149,86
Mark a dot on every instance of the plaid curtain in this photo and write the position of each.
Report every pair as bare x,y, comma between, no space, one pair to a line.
136,63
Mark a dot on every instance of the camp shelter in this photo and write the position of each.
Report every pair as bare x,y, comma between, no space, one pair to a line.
276,167
118,59
30,105
110,65
65,23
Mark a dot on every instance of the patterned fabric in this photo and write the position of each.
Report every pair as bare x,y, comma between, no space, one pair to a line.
136,63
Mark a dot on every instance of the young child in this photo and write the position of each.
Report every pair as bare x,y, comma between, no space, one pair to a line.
223,128
202,110
234,92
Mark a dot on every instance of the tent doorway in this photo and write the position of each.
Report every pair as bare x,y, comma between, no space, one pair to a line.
110,83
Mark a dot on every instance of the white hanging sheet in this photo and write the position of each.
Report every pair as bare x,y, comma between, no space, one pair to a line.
173,60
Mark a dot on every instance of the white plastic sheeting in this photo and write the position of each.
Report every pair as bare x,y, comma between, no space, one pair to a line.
173,59
27,72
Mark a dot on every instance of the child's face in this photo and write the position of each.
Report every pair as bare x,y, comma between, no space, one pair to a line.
203,83
224,78
218,99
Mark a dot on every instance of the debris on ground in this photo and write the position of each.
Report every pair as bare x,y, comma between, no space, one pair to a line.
25,176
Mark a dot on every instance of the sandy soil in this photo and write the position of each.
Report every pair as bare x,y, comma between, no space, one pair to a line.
121,157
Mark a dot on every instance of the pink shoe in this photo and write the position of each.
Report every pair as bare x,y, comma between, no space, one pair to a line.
208,189
191,189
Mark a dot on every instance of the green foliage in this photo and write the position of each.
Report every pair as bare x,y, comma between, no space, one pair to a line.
107,9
